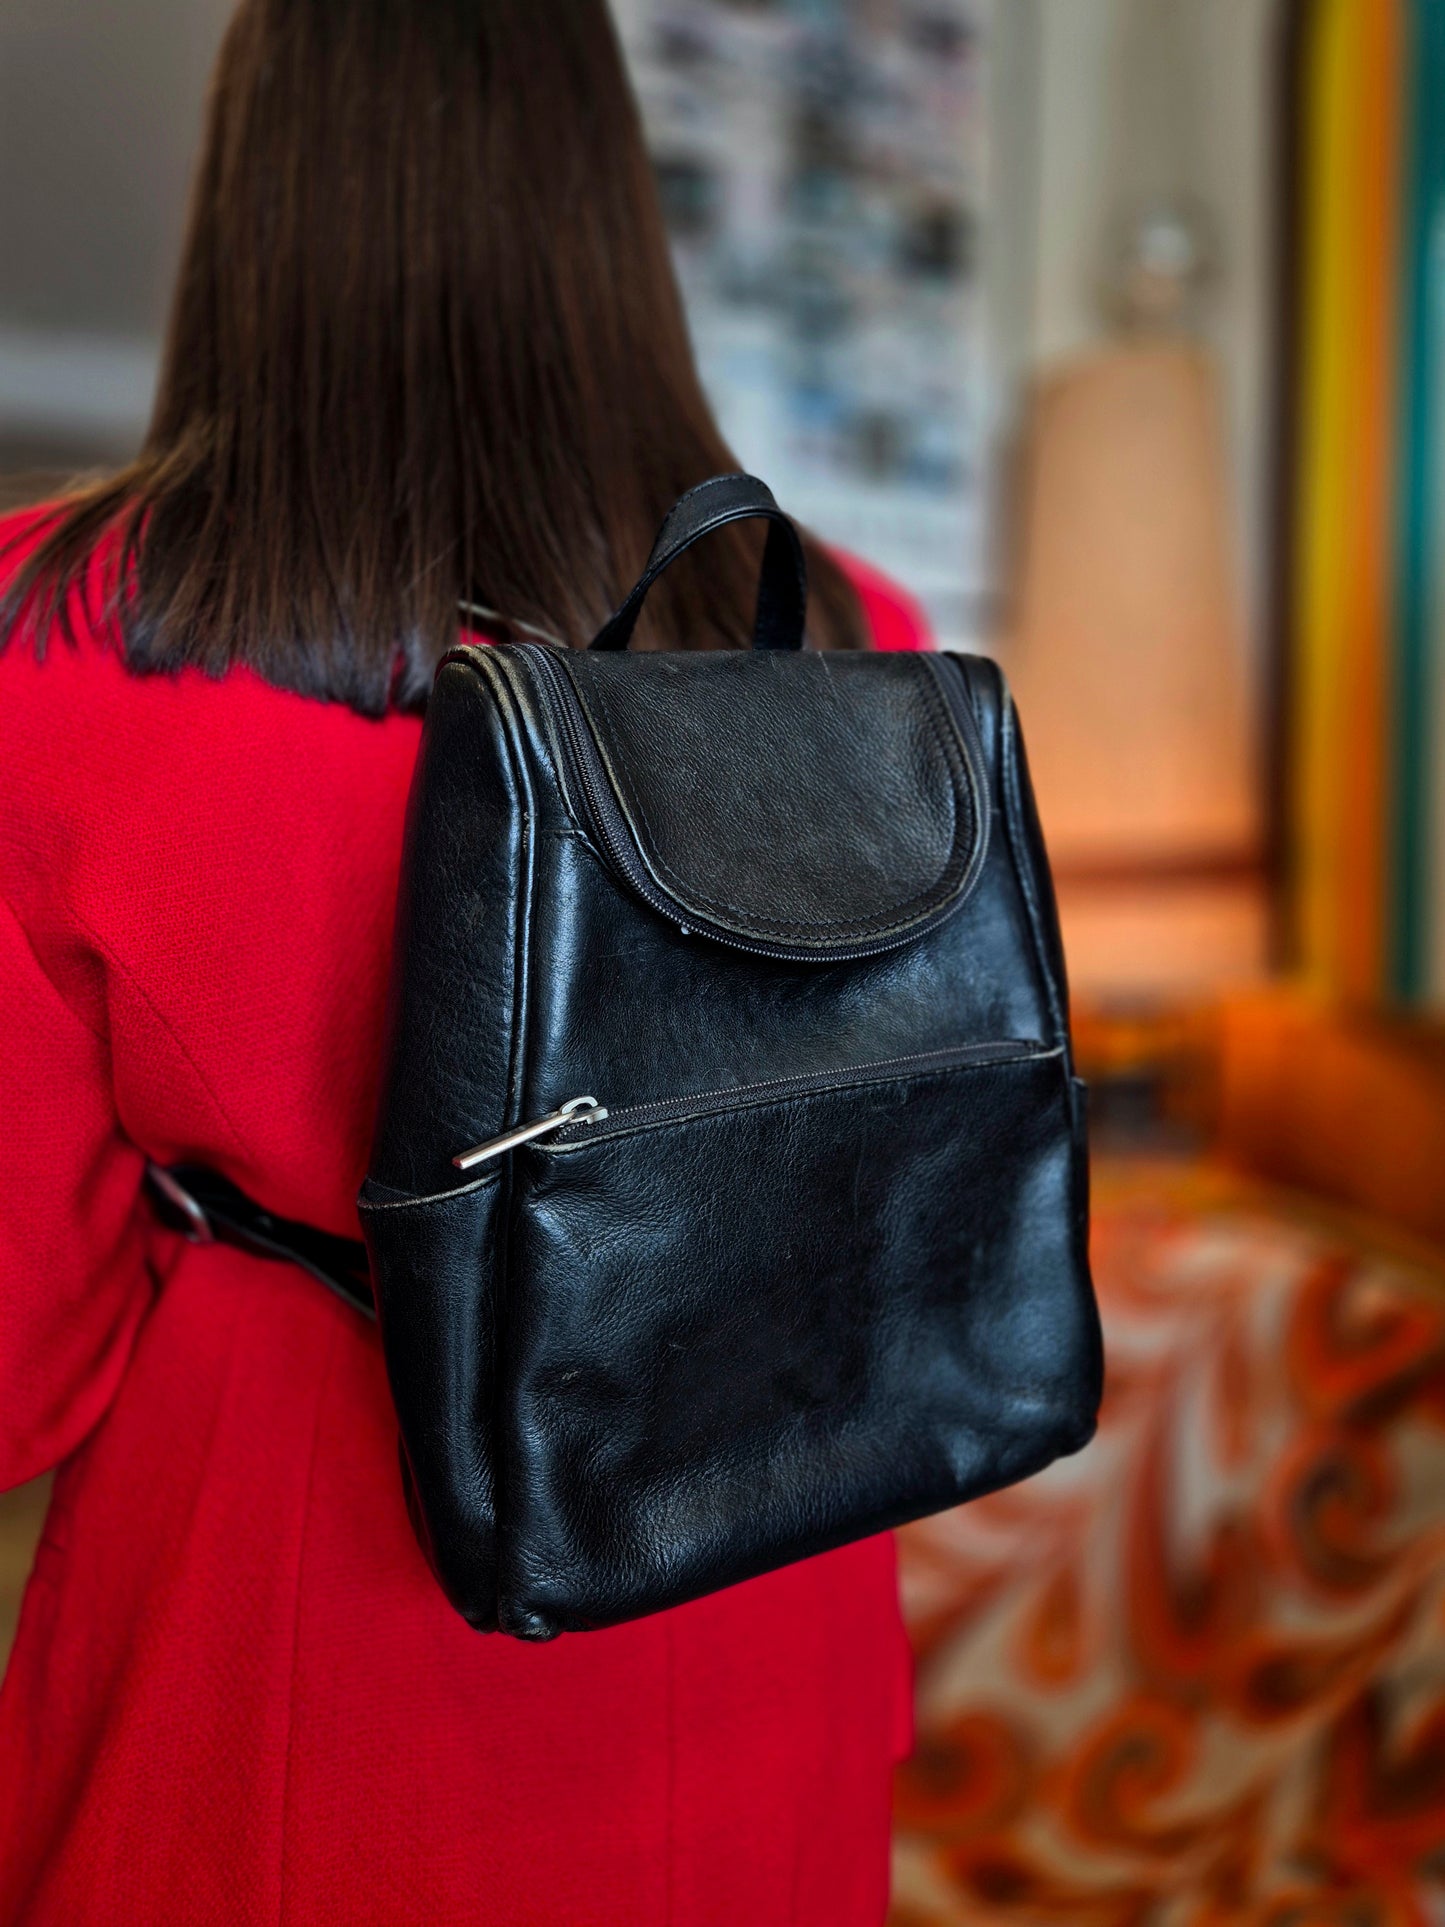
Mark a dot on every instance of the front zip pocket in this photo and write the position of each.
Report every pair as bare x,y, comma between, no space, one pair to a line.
819,1305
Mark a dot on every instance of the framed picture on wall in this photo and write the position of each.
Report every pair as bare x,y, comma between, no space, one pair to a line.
823,172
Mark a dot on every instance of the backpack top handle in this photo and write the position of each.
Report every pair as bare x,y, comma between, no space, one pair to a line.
783,584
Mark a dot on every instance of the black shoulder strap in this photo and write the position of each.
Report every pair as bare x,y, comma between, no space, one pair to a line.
208,1209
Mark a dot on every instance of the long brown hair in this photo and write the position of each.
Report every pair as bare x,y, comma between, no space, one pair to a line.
426,344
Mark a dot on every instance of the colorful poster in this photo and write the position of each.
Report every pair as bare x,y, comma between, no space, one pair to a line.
822,166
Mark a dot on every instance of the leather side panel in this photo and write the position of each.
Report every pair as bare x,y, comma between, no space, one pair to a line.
434,1262
448,1076
434,1234
999,721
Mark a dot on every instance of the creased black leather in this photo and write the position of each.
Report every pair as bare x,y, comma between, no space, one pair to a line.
823,1267
740,821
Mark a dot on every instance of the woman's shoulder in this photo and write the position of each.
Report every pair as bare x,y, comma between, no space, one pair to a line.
134,805
92,750
62,684
896,619
22,530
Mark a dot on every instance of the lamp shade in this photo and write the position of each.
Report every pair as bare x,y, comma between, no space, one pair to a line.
1128,659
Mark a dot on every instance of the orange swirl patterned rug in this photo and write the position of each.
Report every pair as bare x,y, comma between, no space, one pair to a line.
1197,1675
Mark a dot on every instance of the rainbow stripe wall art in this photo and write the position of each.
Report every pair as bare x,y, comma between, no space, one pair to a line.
1366,636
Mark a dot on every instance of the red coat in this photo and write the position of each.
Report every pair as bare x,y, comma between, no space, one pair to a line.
237,1695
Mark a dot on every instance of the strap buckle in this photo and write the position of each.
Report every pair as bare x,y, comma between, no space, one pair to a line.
195,1226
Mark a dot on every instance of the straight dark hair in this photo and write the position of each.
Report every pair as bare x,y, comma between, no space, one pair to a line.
426,344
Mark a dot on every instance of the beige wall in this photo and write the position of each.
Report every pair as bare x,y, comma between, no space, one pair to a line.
98,112
99,109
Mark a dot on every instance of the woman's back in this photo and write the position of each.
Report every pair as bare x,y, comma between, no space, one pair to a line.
237,1693
426,345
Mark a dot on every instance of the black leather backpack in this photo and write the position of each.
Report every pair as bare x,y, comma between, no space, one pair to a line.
728,1198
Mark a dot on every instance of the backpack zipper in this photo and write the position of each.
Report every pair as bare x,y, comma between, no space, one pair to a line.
605,818
676,1110
573,1121
577,1110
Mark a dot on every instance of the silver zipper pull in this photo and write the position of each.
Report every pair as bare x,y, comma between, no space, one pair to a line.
577,1110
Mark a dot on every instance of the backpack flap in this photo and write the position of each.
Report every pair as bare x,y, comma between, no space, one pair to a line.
796,804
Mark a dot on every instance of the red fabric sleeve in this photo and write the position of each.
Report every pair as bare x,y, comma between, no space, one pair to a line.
895,618
74,1280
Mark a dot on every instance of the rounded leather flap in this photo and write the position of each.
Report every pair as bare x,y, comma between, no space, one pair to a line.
808,805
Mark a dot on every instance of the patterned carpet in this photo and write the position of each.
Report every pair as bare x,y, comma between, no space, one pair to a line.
1197,1675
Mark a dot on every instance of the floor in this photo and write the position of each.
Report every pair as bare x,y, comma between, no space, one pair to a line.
1196,1675
22,1513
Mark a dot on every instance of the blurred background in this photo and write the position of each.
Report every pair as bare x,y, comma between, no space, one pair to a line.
1114,330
